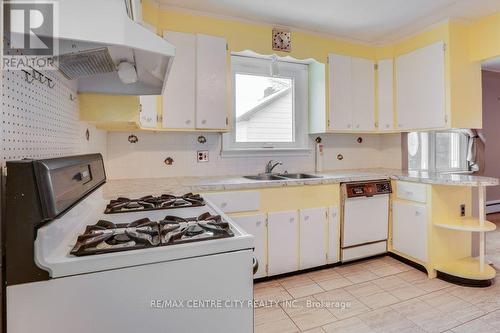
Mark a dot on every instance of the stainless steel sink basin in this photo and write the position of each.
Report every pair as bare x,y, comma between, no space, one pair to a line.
282,176
264,177
299,176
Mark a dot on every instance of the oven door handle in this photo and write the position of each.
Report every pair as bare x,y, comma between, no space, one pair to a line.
255,265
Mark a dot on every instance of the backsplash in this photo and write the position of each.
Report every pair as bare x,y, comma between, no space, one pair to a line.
37,121
145,159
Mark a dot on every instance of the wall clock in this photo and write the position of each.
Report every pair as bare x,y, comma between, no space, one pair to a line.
282,40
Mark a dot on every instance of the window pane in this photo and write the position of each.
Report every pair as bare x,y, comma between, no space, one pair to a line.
449,150
264,109
418,151
437,151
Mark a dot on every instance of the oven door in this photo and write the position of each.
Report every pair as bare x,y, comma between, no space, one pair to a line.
366,220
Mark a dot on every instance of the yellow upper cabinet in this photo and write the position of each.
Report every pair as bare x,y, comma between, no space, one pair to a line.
111,112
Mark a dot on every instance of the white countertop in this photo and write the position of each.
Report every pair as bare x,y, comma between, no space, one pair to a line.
181,185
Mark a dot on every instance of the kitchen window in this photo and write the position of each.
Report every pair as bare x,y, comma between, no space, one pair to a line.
269,106
440,151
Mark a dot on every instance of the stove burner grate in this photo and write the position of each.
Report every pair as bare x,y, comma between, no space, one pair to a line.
106,236
164,201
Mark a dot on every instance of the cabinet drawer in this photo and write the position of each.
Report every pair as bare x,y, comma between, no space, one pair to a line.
411,191
233,202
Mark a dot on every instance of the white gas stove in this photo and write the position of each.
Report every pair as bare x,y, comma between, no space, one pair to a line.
168,264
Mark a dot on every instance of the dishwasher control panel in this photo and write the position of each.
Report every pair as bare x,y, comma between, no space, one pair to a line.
368,189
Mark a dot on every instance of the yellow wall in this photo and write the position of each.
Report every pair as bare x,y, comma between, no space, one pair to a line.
484,38
256,37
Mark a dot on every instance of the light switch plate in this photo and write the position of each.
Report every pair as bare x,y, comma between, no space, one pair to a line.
202,156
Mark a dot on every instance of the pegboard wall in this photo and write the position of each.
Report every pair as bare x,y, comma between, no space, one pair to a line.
37,121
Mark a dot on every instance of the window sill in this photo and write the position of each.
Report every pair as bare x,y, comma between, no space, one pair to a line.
267,152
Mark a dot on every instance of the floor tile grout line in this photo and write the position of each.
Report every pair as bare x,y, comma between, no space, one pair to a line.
375,309
451,329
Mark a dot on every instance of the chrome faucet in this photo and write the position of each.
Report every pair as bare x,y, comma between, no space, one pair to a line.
270,166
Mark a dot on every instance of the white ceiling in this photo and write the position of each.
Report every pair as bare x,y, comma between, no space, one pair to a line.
492,65
369,21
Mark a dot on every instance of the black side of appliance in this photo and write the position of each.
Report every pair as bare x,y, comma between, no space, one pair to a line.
38,191
22,216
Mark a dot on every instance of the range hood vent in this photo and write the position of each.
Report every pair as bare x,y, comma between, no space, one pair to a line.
94,37
85,63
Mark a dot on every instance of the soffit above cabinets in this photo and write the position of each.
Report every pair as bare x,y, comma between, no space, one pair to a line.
368,21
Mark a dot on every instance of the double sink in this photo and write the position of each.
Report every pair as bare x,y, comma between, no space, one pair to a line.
282,176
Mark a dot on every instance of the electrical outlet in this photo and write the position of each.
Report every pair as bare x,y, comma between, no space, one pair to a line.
202,156
462,210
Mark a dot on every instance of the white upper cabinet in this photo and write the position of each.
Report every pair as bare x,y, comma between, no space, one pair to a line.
385,83
352,93
195,92
420,86
179,95
340,92
363,94
148,111
211,56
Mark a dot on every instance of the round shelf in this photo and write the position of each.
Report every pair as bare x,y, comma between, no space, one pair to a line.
467,268
467,224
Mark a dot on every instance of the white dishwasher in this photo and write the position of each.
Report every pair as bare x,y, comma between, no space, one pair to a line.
365,219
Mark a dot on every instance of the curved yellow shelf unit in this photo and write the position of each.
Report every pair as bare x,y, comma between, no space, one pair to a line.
467,224
467,268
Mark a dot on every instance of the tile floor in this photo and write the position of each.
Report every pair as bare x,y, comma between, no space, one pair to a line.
377,295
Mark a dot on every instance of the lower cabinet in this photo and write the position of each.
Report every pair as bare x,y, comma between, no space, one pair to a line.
409,229
256,226
333,242
293,240
313,237
283,242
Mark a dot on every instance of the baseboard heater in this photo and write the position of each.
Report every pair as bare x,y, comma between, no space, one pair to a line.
492,206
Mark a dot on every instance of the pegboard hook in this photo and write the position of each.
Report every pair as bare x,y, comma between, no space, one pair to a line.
50,83
28,77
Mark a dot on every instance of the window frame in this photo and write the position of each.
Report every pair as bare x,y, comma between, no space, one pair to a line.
431,153
299,72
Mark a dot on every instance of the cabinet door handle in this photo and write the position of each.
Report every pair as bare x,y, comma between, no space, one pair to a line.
306,218
223,204
292,219
188,122
417,213
203,121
